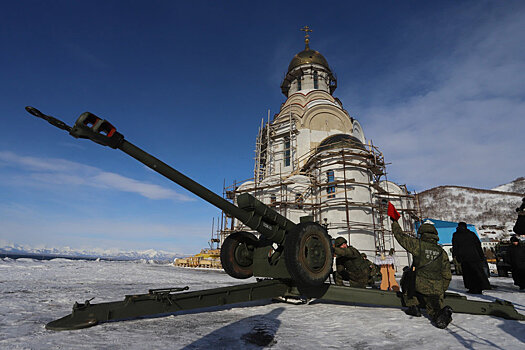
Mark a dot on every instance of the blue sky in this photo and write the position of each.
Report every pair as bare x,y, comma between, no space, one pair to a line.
438,87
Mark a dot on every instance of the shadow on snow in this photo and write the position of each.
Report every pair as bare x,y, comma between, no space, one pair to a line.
251,332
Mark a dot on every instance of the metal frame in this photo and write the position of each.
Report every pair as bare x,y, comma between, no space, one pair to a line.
164,302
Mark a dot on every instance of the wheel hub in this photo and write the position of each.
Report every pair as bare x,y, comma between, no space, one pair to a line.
243,255
314,255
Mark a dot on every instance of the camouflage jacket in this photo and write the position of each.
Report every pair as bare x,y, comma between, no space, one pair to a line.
433,273
352,261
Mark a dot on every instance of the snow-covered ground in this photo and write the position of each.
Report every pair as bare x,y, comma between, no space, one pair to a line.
33,293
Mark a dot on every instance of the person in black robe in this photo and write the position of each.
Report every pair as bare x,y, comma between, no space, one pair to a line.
519,227
466,248
517,262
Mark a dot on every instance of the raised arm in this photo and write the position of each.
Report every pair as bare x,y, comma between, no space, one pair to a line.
407,242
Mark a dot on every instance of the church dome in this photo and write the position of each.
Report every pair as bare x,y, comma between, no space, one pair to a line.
308,56
340,141
308,70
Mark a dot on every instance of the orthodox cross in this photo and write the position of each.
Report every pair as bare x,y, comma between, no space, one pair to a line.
307,30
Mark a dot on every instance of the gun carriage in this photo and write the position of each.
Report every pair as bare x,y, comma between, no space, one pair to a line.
292,260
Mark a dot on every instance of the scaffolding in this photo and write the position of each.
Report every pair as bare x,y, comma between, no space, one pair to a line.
312,200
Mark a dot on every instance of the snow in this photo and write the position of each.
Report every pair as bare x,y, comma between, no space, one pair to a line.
516,186
34,292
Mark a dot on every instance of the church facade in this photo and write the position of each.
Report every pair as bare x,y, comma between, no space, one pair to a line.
312,159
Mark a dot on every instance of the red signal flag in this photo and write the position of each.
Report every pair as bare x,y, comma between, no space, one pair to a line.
392,212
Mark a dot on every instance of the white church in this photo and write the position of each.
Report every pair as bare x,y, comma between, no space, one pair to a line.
313,159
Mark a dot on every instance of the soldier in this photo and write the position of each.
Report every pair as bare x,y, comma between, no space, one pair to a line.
457,265
350,265
374,274
432,273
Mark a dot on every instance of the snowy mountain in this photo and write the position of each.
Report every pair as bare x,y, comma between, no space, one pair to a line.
114,254
516,186
491,211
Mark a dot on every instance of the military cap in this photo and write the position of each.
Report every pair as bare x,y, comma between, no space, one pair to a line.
427,228
339,241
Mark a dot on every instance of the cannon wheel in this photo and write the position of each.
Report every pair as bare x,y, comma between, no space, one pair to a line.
308,254
237,254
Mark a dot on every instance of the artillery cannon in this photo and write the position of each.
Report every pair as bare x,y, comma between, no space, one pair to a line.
303,251
297,257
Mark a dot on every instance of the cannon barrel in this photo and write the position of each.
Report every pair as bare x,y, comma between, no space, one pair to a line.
252,212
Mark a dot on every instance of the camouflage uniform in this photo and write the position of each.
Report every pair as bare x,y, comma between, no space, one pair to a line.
433,273
457,266
350,266
374,274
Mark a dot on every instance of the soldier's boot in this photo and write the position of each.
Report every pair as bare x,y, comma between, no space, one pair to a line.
443,317
338,280
413,311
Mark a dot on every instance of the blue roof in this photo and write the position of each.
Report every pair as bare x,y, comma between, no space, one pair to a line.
446,229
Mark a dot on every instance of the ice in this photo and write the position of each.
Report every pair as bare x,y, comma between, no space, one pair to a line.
34,292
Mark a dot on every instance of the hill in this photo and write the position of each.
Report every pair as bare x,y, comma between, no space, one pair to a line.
491,211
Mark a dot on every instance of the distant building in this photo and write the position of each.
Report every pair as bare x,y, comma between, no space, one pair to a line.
488,243
446,229
312,159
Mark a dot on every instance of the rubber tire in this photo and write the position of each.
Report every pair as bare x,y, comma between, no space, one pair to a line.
229,262
306,239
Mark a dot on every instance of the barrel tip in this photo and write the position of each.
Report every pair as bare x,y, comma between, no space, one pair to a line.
33,111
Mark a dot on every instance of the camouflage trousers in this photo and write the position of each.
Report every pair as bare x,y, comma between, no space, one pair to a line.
433,303
358,281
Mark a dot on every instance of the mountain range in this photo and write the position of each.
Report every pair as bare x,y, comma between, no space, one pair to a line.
111,254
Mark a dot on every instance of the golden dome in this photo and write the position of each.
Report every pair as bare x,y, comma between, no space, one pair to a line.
308,56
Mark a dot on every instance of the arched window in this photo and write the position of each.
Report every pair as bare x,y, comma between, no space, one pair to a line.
316,80
286,152
299,83
330,178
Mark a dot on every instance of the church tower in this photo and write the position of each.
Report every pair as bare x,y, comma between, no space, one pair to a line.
308,70
312,159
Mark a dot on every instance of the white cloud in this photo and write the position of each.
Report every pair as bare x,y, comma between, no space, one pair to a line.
54,171
130,185
468,127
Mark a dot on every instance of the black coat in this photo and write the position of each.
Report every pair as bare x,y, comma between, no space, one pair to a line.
519,227
517,256
466,246
517,261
